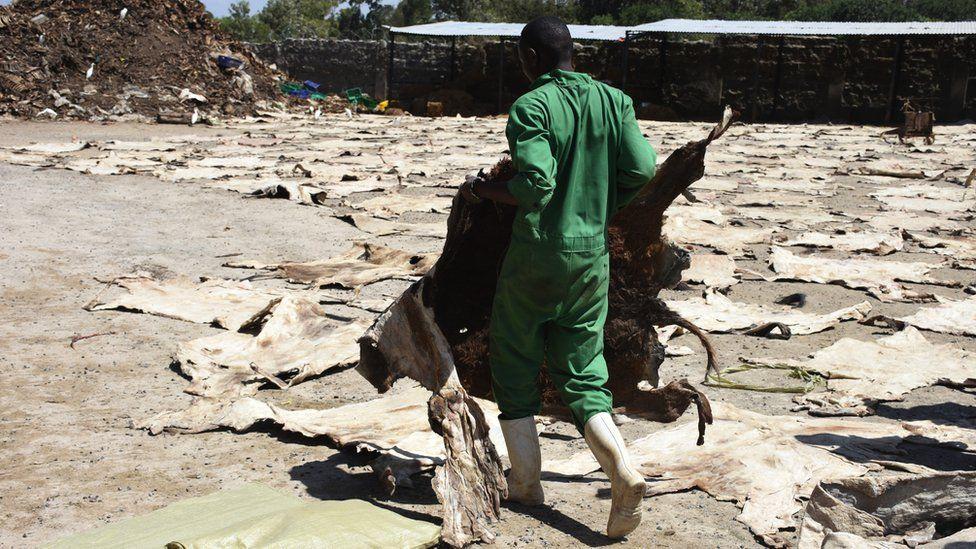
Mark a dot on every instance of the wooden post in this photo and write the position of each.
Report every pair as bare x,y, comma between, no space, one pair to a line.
501,74
895,79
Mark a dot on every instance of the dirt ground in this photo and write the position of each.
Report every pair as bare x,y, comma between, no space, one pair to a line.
72,461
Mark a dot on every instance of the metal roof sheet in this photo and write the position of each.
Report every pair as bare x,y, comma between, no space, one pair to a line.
466,28
799,28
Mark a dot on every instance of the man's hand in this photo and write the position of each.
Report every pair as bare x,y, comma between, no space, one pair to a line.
468,190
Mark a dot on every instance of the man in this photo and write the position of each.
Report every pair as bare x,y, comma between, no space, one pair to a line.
580,157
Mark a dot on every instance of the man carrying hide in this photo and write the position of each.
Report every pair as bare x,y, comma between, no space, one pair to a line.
580,157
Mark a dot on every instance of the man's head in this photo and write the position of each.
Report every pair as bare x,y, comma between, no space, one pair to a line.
545,45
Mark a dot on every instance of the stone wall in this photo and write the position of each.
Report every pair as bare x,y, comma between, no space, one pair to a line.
845,79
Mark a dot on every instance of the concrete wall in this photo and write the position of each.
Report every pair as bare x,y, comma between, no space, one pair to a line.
793,79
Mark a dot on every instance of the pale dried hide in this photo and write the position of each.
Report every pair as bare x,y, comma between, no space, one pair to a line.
874,243
382,227
395,426
798,218
895,510
716,183
249,161
394,204
110,165
194,173
889,221
927,198
712,270
762,463
699,212
140,146
878,277
362,264
55,148
860,373
766,199
958,247
297,340
895,169
957,317
719,314
224,303
961,436
725,238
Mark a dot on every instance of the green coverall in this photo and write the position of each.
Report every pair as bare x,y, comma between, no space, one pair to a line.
580,157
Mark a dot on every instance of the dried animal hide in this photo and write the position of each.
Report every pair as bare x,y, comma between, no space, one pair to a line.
880,278
875,243
392,205
382,227
949,317
396,427
310,195
762,463
54,148
727,239
765,199
798,218
436,332
714,271
959,437
224,303
958,247
719,314
889,221
898,510
860,373
925,198
471,484
297,340
362,264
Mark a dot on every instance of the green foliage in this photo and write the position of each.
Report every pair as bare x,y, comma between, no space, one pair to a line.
946,10
856,10
365,18
242,25
299,18
643,12
412,12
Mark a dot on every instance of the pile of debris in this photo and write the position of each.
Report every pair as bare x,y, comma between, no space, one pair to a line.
94,59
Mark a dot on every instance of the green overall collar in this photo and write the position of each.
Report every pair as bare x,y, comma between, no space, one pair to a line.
562,78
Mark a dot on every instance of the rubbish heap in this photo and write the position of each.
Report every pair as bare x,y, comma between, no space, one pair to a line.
99,59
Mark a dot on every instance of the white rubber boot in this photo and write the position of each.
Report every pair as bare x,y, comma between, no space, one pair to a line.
522,441
627,486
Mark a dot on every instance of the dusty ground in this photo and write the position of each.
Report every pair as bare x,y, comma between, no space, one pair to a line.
72,462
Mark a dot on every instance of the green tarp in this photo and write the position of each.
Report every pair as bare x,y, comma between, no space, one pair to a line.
257,516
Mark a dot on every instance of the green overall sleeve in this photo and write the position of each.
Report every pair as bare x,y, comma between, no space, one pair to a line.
528,136
636,160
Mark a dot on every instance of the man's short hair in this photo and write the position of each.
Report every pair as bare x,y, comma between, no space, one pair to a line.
549,37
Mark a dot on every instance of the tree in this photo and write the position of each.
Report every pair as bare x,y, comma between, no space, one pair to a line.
463,10
242,25
648,11
299,18
518,11
856,10
946,10
412,12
